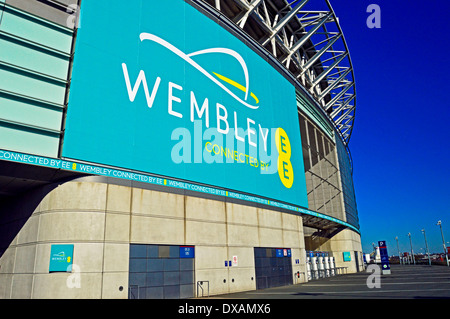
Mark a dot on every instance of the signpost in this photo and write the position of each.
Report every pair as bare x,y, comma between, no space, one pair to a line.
386,269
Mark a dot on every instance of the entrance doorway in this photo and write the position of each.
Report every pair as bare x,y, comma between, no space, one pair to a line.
273,267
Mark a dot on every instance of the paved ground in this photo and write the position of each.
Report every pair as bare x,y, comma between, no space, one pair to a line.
405,282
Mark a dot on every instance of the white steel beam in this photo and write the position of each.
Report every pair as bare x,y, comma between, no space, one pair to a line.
337,97
271,21
341,108
308,35
250,9
334,84
312,60
285,20
327,71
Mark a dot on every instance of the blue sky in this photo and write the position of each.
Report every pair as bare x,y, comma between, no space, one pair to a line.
400,141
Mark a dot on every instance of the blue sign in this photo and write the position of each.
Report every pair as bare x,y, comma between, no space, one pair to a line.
347,256
177,95
61,258
384,256
187,252
283,252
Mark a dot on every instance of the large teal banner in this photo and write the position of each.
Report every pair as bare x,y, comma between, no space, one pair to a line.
158,87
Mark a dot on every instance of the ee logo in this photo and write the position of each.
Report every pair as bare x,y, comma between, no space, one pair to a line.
284,164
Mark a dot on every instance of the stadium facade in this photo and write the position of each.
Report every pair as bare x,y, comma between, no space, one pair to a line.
173,151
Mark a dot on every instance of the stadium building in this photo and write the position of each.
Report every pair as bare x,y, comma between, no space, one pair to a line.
156,150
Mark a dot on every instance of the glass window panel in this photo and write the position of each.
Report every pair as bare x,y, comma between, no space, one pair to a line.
259,252
303,135
306,159
137,279
154,264
187,264
171,278
312,137
174,251
154,279
171,264
320,149
164,251
142,292
327,147
138,251
152,251
172,292
138,265
186,277
155,293
187,291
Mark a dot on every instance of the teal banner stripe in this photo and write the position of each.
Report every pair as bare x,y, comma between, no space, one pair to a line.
117,173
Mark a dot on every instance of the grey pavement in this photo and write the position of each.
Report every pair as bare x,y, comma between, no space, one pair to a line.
404,282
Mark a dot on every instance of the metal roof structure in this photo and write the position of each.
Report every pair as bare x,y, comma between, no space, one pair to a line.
305,37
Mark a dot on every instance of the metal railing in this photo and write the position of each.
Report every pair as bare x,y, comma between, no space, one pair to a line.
130,292
200,286
324,273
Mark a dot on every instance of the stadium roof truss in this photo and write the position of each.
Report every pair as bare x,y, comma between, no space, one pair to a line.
306,38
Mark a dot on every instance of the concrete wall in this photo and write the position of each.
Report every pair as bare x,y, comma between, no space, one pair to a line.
344,241
101,220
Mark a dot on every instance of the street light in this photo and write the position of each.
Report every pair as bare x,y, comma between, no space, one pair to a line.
426,245
443,241
412,251
399,258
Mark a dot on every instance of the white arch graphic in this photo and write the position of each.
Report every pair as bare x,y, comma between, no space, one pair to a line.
187,57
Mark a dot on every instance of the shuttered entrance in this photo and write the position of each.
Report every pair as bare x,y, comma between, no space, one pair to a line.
161,272
273,267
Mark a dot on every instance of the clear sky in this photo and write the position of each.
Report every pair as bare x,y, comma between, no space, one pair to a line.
400,143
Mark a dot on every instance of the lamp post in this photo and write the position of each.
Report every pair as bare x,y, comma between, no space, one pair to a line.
412,251
426,245
399,258
439,223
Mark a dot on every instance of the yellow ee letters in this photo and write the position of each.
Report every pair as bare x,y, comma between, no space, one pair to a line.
285,170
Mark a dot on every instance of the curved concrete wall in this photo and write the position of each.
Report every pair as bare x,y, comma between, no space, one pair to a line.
101,220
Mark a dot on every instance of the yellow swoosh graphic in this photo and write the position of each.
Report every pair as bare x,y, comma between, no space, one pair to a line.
237,85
